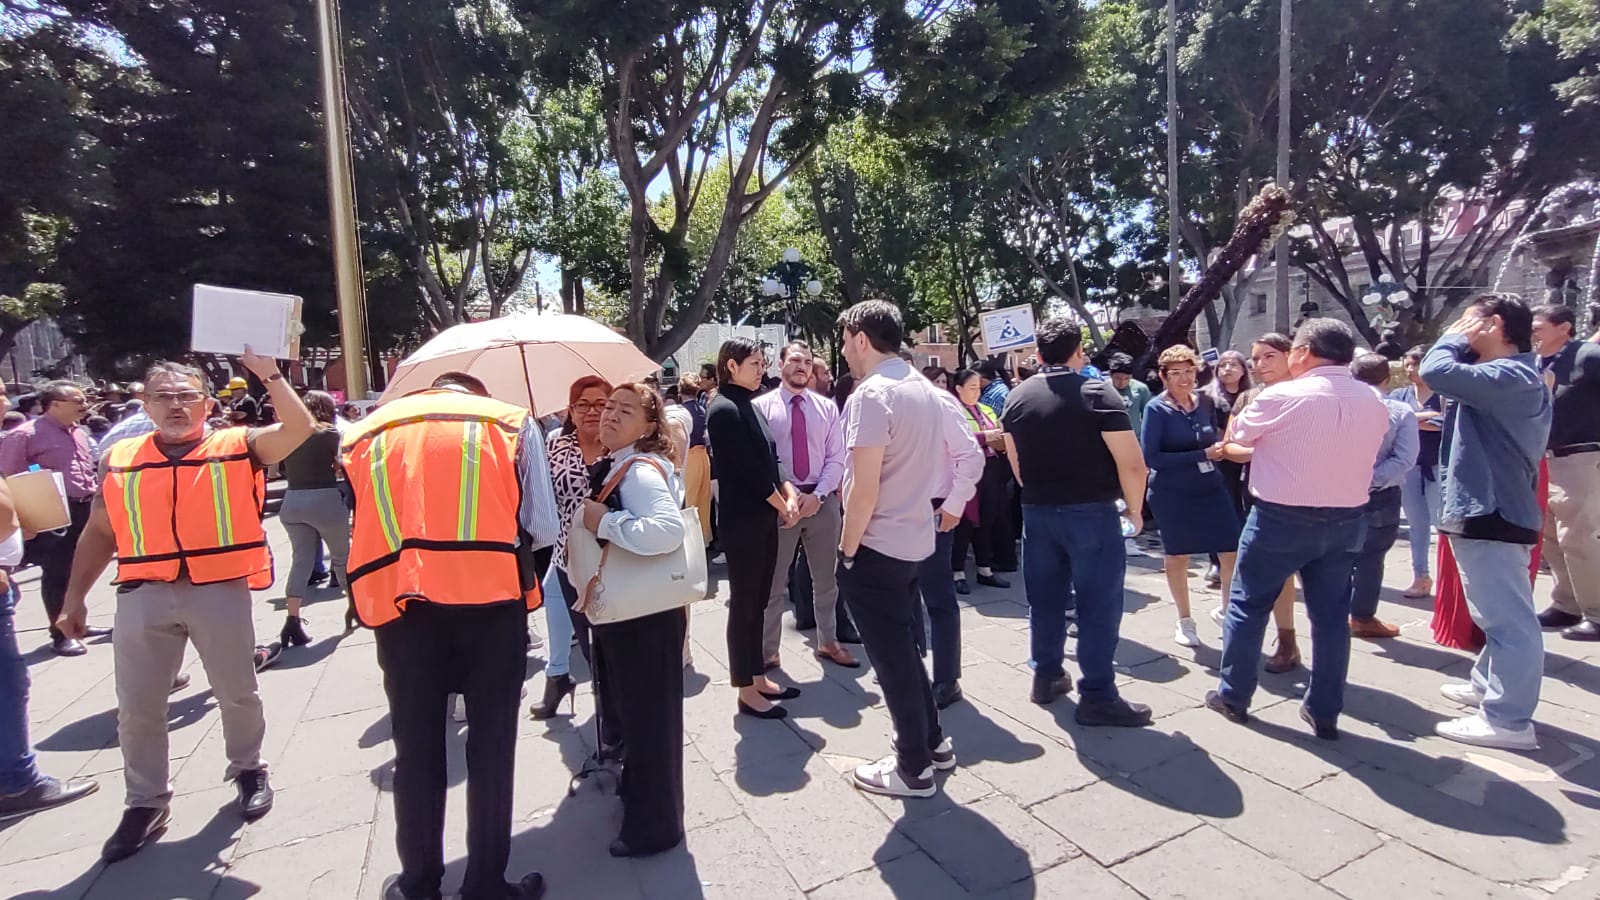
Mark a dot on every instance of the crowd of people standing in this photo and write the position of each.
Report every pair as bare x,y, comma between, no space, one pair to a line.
447,517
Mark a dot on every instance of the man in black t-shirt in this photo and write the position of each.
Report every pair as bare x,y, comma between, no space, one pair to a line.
1572,529
1072,449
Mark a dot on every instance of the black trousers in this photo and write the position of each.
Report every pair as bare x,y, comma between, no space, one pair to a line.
426,654
750,543
52,552
994,522
886,603
640,675
1382,513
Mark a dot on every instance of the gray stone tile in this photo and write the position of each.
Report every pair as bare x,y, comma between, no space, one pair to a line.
912,875
1115,819
727,860
1397,870
310,868
1080,879
1307,837
1257,748
312,810
189,860
62,876
1495,847
988,845
801,802
1205,864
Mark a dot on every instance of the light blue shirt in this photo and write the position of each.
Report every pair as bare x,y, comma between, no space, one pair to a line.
137,425
539,515
1398,452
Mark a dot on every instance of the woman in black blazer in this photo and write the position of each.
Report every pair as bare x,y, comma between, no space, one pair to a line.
753,502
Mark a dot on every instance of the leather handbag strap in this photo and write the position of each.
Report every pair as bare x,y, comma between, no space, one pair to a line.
605,491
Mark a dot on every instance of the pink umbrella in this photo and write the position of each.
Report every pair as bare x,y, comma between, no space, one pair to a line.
525,358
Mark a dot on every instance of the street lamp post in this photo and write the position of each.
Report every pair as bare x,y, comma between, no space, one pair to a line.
349,288
788,279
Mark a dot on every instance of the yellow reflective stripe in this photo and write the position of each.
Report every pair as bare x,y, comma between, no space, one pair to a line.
380,489
130,500
471,458
221,505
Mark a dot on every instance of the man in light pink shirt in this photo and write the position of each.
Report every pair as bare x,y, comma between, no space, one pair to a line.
806,428
1310,443
903,444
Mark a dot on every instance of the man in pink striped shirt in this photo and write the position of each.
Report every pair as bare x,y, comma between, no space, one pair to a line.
1310,443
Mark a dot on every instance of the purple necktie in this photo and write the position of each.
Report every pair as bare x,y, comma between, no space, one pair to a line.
799,441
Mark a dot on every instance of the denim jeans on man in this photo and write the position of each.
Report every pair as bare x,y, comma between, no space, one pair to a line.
936,579
17,771
1321,543
882,594
1077,550
1382,514
1494,576
1419,495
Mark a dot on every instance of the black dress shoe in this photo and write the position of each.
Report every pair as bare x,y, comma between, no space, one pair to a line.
993,581
531,887
622,848
94,631
962,587
179,683
138,826
65,646
771,712
1584,631
946,694
1118,713
1230,712
255,794
46,793
1047,689
849,636
1328,731
1555,618
318,579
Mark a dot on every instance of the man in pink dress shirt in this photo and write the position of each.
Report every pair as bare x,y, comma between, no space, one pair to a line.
56,442
1310,443
806,428
902,443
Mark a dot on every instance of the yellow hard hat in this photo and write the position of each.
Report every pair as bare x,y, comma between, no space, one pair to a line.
237,384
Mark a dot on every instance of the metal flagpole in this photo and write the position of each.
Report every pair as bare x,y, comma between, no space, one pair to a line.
349,285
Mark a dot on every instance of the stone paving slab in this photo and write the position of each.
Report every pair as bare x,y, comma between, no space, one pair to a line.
1039,806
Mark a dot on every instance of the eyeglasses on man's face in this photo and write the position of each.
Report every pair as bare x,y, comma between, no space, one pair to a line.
180,398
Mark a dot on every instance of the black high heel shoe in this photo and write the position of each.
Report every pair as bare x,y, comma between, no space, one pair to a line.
294,632
556,689
771,712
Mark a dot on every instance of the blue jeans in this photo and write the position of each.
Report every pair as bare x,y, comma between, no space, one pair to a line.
1321,543
937,581
1382,513
1494,576
17,770
557,622
1074,550
1420,499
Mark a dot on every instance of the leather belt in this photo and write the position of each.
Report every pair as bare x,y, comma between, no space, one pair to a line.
1574,449
806,488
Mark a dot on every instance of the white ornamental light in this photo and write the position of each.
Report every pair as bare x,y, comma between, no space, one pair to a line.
814,287
791,255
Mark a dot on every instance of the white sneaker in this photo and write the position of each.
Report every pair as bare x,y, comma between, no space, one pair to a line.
459,709
1219,614
884,777
1186,636
944,755
1130,547
1463,693
535,642
1478,731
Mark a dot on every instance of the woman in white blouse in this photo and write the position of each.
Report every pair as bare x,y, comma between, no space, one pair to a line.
639,662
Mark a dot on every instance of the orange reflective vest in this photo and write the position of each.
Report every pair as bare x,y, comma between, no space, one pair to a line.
436,493
198,515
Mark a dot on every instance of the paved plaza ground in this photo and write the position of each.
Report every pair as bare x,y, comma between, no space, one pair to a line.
1039,807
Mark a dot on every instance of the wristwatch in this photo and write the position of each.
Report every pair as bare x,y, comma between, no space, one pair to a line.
276,376
849,562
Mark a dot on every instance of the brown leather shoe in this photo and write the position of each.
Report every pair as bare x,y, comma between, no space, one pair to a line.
1372,628
839,656
1287,655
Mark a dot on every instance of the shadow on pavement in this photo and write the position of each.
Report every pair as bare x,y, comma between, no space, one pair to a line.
98,731
973,851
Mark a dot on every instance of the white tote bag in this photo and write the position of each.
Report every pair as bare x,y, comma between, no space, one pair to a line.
616,585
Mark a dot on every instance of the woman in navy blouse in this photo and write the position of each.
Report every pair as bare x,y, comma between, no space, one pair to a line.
1187,490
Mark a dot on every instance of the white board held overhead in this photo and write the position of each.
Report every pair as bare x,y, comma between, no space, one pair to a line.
1008,329
226,319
